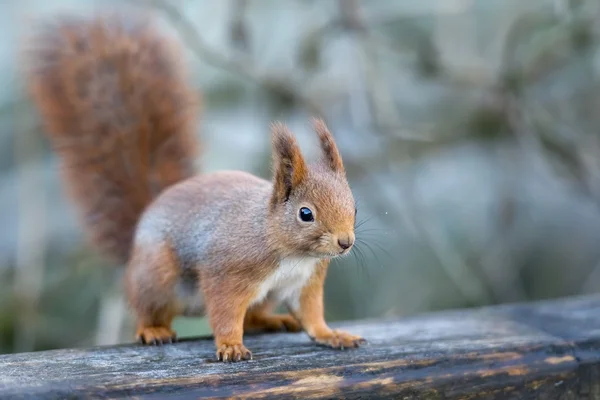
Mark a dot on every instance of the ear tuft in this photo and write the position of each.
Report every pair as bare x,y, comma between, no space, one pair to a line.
288,163
331,155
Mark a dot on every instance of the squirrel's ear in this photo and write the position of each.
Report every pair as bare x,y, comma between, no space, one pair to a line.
331,155
288,163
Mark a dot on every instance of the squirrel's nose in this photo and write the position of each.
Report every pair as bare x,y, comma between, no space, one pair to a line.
346,242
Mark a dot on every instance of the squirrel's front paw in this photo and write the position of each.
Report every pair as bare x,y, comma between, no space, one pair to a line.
339,340
155,335
233,352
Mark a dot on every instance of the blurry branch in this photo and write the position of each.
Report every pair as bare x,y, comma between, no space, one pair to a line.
383,107
112,317
408,213
279,83
351,15
558,45
452,263
31,247
539,47
290,85
536,48
238,31
497,262
381,103
539,44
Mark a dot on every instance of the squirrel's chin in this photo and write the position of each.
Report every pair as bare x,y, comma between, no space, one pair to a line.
322,256
328,256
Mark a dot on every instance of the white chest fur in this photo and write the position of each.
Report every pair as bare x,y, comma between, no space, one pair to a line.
285,283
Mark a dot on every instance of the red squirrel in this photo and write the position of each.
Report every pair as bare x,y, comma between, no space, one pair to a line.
117,106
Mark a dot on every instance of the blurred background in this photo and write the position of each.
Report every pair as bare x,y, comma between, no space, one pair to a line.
470,130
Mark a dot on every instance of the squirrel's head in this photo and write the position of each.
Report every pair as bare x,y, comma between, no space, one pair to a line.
313,212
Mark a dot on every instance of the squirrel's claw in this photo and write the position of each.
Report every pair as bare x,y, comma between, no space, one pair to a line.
233,353
340,340
156,336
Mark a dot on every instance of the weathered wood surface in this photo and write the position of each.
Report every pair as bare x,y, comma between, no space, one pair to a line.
548,350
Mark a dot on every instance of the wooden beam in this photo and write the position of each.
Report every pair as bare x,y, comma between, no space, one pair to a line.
547,350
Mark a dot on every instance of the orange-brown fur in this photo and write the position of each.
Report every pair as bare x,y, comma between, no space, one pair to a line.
120,113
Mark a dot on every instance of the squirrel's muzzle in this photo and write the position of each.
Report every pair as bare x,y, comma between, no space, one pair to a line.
345,241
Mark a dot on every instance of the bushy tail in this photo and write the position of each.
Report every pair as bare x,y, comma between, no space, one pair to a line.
116,105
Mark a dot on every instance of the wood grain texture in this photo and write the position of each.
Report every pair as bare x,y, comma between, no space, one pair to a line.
547,350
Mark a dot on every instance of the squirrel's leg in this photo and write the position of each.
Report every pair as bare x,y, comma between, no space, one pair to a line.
226,307
260,318
308,308
149,285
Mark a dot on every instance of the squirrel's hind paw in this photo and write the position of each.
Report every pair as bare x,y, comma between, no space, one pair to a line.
272,323
156,335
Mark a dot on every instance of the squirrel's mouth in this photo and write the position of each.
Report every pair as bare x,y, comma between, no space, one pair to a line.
338,254
325,255
330,253
345,251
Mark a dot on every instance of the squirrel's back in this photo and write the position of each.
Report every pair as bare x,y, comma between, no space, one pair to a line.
116,104
202,217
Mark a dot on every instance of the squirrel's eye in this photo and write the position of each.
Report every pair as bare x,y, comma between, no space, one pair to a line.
306,215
